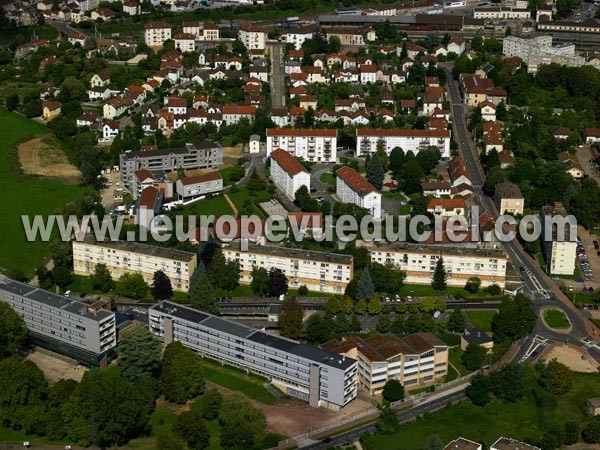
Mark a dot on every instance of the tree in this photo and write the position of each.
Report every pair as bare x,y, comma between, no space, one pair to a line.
242,424
190,427
278,283
181,377
556,378
12,101
515,319
346,305
22,383
383,323
473,284
132,285
171,441
479,390
102,279
507,383
456,321
474,357
139,354
438,282
375,171
13,332
361,307
260,280
393,390
210,404
223,274
62,276
315,331
387,421
435,443
427,305
332,306
161,286
203,297
290,318
374,307
365,289
571,433
303,290
591,432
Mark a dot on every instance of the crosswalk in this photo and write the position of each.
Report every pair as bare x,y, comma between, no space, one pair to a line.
538,342
588,342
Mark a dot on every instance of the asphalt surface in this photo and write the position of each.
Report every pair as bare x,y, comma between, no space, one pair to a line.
277,81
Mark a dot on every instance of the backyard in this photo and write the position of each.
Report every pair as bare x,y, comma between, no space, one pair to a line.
481,319
25,195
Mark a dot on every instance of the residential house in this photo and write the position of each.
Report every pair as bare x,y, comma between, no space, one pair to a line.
100,79
437,189
190,188
50,110
474,336
508,198
252,35
132,8
288,174
156,33
185,42
351,187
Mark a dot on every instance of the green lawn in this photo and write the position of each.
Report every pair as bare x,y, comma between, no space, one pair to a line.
216,205
10,436
455,357
236,380
244,195
328,178
225,173
481,319
556,319
25,196
450,339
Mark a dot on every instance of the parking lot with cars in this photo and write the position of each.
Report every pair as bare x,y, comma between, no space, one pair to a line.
588,258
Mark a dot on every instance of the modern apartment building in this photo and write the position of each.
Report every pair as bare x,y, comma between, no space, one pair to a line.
311,374
123,257
501,12
538,51
352,187
314,145
560,251
63,325
419,261
318,271
189,188
288,174
196,155
414,141
156,33
415,360
253,36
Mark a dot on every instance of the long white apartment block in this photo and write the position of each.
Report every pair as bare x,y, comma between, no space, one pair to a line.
313,145
318,271
539,51
61,324
419,261
317,376
123,257
408,140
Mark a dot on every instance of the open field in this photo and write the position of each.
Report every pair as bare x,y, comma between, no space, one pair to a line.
26,195
481,319
43,156
572,357
485,424
230,159
56,368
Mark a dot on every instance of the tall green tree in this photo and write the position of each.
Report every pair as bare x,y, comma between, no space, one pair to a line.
223,274
393,390
278,283
210,404
515,319
161,286
102,279
242,425
202,296
190,427
139,354
182,376
132,285
556,378
438,282
375,171
290,318
387,421
315,330
260,280
474,357
456,321
435,443
13,332
365,290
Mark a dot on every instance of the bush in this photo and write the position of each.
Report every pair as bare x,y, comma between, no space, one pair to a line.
302,290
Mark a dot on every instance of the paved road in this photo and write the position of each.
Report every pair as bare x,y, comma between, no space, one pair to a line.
277,75
405,416
64,27
541,288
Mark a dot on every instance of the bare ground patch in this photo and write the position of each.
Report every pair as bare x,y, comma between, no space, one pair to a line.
573,357
55,367
43,156
230,159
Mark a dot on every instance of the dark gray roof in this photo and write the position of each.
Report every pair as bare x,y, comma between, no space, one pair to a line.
189,314
51,299
292,253
136,247
197,145
227,326
476,336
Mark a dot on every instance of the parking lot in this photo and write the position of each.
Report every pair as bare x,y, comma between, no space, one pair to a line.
588,260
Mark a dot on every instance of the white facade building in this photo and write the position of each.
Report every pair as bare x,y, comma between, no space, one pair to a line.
351,187
288,174
314,145
559,249
538,51
252,36
409,140
156,33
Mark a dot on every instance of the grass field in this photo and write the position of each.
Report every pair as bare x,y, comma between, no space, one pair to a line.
328,178
455,357
25,196
10,436
216,205
556,319
230,378
243,195
481,319
450,339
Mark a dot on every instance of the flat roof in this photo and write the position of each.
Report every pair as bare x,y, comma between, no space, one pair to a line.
290,253
145,249
400,247
196,145
287,345
54,300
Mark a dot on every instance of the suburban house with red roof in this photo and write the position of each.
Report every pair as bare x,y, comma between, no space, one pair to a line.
351,187
446,207
148,206
287,173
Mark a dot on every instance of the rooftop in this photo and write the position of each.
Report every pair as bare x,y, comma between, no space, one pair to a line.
54,300
144,249
291,253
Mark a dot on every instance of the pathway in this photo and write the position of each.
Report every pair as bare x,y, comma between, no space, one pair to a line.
233,208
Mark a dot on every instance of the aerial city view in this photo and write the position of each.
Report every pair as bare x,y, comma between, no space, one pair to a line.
307,224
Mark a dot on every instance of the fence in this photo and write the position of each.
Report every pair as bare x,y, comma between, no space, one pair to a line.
373,411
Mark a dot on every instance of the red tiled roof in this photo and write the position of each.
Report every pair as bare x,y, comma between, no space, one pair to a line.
287,162
355,181
213,176
446,203
148,198
143,174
